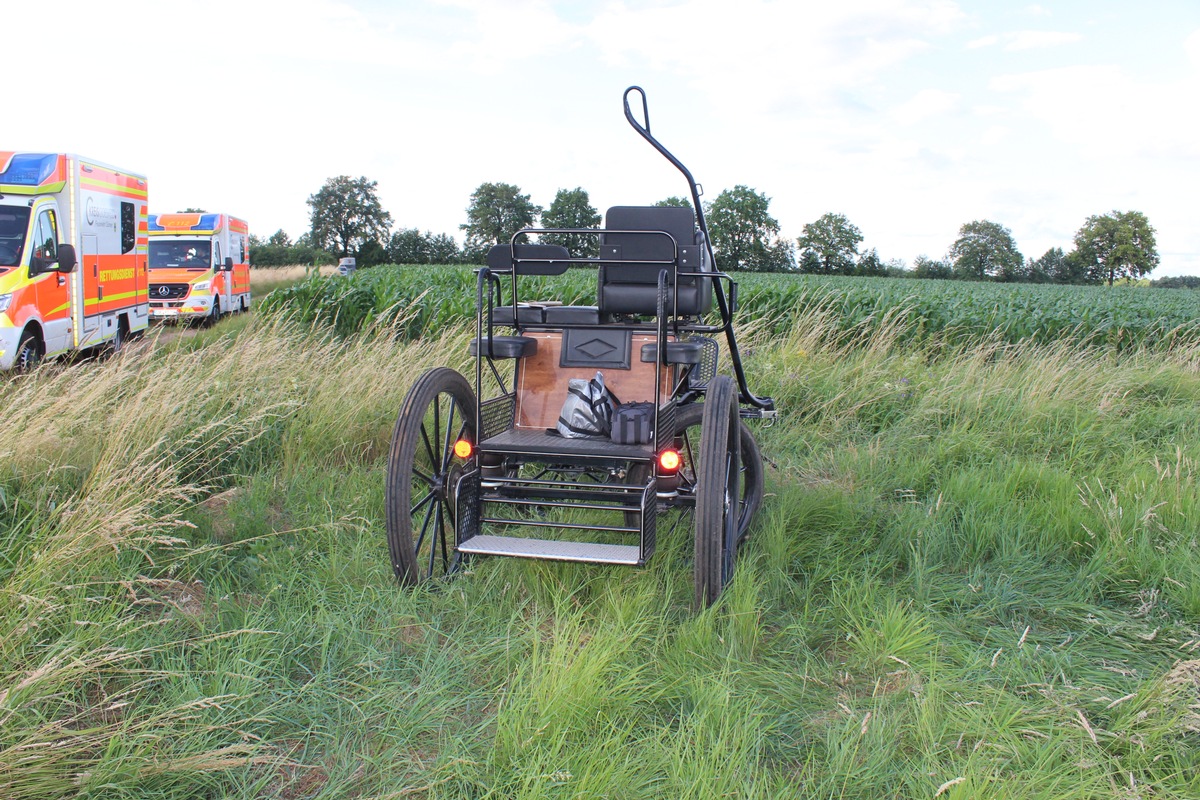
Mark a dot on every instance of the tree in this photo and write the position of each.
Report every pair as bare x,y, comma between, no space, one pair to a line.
572,209
742,231
829,245
870,264
1117,245
190,210
371,253
986,249
443,249
674,202
279,239
497,211
925,267
408,246
1055,266
346,214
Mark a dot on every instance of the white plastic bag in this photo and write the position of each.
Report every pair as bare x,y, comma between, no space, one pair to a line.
588,410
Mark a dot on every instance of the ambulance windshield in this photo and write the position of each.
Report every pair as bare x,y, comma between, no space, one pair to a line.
189,254
13,222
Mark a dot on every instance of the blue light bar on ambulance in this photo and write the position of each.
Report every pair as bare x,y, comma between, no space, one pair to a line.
204,223
29,169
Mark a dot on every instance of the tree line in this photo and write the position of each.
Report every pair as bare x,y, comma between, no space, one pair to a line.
348,219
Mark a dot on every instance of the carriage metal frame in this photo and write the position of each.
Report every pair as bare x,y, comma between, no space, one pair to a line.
461,466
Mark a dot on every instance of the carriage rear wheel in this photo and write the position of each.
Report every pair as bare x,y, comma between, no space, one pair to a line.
422,475
718,490
688,439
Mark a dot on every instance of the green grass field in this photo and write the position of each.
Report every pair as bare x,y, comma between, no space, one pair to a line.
975,575
413,299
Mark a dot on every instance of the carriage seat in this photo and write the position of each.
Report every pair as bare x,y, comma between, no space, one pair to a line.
571,315
505,346
631,262
526,315
677,352
536,259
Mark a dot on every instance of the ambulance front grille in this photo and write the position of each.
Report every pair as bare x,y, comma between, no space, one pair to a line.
168,291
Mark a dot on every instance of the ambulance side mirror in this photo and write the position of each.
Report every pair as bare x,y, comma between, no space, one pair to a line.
228,264
66,258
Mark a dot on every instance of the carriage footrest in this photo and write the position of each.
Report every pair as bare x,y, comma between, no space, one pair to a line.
519,547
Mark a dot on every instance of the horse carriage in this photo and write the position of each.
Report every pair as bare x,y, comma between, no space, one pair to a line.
495,466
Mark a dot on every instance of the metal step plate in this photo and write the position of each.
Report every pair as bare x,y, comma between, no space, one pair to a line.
518,547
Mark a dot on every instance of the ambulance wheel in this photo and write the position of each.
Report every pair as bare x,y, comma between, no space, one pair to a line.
717,492
29,353
687,439
214,316
423,473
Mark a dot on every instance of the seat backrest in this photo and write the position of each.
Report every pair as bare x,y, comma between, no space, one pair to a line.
629,278
548,259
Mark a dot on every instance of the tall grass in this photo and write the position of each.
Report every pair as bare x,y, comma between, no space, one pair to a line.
975,575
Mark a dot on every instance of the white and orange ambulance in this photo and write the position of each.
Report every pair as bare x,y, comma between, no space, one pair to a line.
199,266
72,256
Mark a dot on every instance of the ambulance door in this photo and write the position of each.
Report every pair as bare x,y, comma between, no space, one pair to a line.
220,277
88,279
52,288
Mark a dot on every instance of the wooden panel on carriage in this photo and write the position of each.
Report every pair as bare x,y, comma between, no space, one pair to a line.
542,380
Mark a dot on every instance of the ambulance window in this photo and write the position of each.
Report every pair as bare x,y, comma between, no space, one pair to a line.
45,237
128,227
13,221
217,254
241,250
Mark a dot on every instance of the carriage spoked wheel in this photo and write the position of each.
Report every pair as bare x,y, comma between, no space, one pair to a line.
688,428
423,473
718,490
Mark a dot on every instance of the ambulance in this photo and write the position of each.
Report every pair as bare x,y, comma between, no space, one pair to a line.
72,256
199,266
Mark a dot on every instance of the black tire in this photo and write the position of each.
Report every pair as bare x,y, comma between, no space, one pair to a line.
422,472
717,488
688,428
29,353
214,315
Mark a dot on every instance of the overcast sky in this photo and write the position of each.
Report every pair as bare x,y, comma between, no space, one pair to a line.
911,117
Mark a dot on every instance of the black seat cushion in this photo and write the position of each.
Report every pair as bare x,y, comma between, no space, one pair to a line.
505,347
677,352
634,252
572,315
526,315
529,259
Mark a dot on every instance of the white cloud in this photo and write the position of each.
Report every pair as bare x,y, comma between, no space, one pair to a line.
1034,40
924,105
983,41
1191,46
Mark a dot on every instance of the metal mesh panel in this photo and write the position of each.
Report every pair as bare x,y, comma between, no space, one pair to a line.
666,426
649,522
467,507
497,415
706,370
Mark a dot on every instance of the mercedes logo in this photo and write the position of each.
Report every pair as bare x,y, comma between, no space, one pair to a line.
164,291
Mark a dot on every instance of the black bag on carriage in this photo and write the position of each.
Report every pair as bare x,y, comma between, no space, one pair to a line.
587,412
633,423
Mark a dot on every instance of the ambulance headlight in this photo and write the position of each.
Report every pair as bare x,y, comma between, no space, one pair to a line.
5,299
201,286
